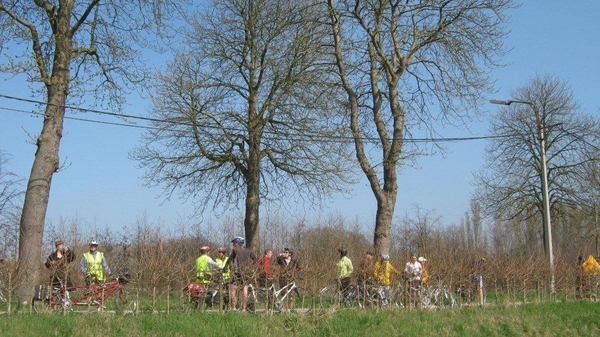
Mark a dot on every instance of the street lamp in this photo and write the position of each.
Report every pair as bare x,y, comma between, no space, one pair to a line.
545,194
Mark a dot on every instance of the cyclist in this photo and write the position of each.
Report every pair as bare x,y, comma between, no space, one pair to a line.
477,276
242,261
345,267
364,272
413,270
425,273
204,266
222,261
58,262
382,272
93,265
289,268
266,273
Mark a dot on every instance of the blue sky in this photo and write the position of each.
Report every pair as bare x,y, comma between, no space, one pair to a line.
101,187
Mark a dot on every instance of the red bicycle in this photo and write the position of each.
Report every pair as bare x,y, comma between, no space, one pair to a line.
89,298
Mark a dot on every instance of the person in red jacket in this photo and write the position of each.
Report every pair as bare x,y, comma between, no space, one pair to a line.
266,273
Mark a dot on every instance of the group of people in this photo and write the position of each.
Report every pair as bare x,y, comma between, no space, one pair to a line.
239,268
93,264
241,265
380,272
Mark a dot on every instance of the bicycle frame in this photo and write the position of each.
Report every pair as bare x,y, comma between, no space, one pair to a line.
275,296
93,295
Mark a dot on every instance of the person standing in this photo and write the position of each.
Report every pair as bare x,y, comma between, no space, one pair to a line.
288,270
383,271
204,266
58,263
93,265
266,273
413,270
477,276
345,268
424,273
364,272
222,261
242,262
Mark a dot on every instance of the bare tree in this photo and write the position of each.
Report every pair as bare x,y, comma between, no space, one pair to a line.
10,196
69,50
509,185
404,65
244,111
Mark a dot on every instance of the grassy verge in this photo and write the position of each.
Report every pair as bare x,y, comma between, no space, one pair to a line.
550,319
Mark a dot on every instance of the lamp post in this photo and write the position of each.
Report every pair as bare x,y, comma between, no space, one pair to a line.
545,194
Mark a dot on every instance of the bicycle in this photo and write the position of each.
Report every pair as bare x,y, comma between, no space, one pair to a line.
355,295
588,287
271,298
200,296
409,294
469,290
48,299
439,296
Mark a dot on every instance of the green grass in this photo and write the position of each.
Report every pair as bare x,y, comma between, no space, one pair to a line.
549,319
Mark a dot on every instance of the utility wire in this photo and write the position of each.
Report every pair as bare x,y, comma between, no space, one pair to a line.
157,120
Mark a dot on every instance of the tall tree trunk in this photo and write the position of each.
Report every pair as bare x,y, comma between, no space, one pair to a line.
386,204
251,220
46,160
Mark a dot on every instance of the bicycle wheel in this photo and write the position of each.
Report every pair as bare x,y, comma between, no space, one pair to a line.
329,297
303,300
44,306
2,298
262,299
397,297
187,302
427,296
445,299
124,302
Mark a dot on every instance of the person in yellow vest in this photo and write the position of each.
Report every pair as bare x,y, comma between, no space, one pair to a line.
222,261
382,273
204,266
93,265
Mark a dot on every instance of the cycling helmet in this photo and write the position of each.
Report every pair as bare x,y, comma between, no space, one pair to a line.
94,243
422,259
222,250
238,239
385,257
343,251
205,249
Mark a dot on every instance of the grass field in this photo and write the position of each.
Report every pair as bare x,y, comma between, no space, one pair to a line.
579,318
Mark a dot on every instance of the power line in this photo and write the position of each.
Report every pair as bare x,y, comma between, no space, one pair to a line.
79,119
157,120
